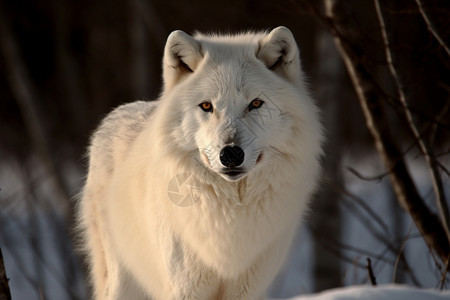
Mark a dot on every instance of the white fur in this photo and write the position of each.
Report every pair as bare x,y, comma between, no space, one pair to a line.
232,241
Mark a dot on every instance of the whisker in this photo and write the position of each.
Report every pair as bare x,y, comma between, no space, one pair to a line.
275,151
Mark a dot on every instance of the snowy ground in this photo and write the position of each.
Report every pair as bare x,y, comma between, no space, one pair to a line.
387,292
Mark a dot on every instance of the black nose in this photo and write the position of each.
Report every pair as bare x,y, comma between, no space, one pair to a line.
231,156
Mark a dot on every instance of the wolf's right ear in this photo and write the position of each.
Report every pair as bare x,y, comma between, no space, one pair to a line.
182,55
279,51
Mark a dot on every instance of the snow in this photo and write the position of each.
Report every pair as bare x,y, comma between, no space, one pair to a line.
385,292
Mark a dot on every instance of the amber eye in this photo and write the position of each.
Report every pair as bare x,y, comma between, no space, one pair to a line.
256,103
206,106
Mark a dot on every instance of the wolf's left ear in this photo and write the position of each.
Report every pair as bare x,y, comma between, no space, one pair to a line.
279,51
182,55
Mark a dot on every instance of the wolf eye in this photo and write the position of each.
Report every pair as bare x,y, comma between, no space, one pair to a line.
206,106
256,103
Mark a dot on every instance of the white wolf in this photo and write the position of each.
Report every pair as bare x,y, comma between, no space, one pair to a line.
236,130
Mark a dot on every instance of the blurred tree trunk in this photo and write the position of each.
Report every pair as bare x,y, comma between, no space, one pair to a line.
327,216
70,84
140,77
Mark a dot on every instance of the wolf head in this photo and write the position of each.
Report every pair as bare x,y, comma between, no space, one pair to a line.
232,100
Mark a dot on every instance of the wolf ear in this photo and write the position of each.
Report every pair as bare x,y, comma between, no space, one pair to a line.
182,55
279,51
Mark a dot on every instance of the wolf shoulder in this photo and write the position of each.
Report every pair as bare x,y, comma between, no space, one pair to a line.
117,131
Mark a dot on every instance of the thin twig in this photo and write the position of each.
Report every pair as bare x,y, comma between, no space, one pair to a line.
379,177
444,273
435,126
372,278
331,244
400,253
376,178
340,245
390,245
443,168
430,27
338,254
5,293
426,151
361,203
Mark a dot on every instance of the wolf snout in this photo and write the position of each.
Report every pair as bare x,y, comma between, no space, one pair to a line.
232,156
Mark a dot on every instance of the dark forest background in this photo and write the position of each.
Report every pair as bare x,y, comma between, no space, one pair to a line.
379,70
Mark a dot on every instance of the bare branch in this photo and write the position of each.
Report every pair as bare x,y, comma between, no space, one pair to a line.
403,185
426,151
431,28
